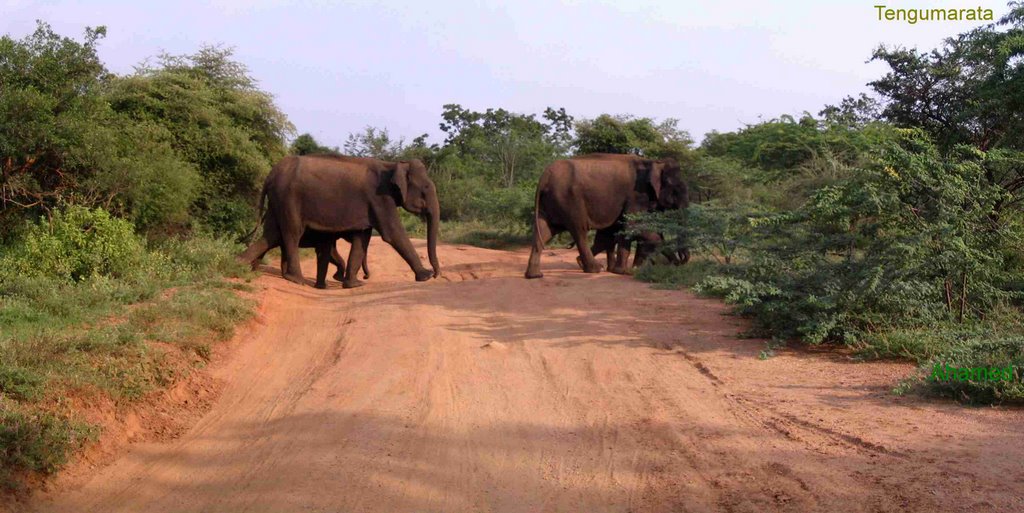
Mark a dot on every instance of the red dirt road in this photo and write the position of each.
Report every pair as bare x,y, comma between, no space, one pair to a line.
482,391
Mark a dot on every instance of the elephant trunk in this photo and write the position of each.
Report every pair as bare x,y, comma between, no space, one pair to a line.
433,225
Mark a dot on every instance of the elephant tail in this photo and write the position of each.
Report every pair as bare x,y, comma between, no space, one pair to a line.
261,213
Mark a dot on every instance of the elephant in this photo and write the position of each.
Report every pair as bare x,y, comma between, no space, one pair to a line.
594,192
327,252
650,243
344,197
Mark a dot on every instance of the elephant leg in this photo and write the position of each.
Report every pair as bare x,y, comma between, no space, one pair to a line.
291,267
579,234
647,246
338,262
643,250
366,256
254,252
623,245
684,256
542,233
356,254
604,242
393,233
323,258
270,239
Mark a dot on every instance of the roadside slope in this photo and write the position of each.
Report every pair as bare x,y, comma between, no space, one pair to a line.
482,391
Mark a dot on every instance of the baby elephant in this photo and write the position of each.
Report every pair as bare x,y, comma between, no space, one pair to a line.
325,244
649,243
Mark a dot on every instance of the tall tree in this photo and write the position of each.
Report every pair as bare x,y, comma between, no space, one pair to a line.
306,144
970,91
375,142
218,120
629,134
514,146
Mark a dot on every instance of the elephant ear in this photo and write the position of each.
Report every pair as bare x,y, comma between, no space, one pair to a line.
400,179
654,178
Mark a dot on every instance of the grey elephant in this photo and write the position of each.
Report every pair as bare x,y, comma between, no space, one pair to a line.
650,244
594,192
326,197
327,251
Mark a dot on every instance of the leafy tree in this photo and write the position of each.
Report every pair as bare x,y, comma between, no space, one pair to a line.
377,143
60,142
628,134
852,112
216,119
968,91
514,147
306,144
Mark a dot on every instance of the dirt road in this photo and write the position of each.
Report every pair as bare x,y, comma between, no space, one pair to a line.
482,391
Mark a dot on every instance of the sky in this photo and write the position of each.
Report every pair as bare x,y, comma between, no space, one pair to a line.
336,67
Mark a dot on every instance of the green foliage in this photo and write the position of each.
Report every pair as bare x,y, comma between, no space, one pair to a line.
908,240
969,91
987,352
20,384
36,441
306,144
75,244
59,334
217,121
875,255
629,134
179,146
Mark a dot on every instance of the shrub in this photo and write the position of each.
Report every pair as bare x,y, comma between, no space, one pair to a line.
20,383
999,352
77,243
36,441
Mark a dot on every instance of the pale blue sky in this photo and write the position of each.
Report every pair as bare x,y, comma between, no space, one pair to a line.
336,67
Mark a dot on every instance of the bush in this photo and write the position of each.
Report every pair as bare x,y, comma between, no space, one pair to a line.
36,441
20,384
997,352
75,244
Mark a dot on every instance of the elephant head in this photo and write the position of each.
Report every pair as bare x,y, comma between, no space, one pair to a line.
417,194
670,191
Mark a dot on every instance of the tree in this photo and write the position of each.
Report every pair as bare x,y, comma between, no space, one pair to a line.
209,110
306,144
629,134
514,147
852,112
61,142
968,91
376,143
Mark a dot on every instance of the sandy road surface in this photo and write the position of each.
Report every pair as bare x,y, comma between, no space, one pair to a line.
482,391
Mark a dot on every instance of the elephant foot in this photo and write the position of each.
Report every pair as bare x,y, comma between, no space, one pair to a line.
339,276
617,270
351,284
533,275
424,275
295,278
320,285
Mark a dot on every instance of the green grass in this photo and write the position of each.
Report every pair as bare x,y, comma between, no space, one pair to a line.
474,233
676,276
120,338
